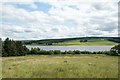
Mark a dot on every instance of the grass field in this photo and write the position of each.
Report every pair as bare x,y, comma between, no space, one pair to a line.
92,42
59,66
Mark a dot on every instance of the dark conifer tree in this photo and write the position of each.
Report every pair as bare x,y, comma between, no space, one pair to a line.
20,48
13,48
0,47
6,46
14,51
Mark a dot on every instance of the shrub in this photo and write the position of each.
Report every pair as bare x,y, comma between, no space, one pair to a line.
115,50
82,52
88,52
99,52
70,52
42,52
106,52
65,52
4,54
50,52
57,52
34,51
77,52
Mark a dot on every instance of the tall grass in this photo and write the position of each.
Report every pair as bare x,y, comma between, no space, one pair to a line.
61,66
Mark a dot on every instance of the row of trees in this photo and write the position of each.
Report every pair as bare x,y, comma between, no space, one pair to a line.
13,48
83,40
37,51
16,48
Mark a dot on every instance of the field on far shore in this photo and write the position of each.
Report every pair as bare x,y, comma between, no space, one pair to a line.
92,42
60,66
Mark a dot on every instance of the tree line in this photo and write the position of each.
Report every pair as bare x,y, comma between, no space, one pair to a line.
13,48
16,48
37,51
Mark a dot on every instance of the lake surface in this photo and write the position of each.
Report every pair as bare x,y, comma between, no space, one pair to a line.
72,48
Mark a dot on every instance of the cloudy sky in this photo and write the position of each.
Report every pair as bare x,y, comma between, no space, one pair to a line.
48,19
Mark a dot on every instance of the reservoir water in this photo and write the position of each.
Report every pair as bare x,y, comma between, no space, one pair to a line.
72,48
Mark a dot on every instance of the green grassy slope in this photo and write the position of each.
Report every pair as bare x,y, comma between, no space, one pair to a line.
67,66
74,41
92,42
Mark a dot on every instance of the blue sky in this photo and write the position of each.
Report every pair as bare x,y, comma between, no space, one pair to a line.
45,19
44,7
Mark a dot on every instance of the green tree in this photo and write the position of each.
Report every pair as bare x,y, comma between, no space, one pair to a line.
57,52
70,52
0,47
20,48
115,50
77,52
13,48
6,46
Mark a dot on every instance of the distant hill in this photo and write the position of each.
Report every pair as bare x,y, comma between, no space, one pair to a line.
74,41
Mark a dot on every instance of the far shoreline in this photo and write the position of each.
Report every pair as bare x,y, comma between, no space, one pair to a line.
69,46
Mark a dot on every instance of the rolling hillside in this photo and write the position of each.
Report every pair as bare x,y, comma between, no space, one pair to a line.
93,42
82,41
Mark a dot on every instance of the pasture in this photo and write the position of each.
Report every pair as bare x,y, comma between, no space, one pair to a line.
60,66
92,42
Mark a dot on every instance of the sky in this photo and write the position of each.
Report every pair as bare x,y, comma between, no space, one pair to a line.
51,19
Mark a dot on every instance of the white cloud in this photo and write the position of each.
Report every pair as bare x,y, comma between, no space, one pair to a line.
89,19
